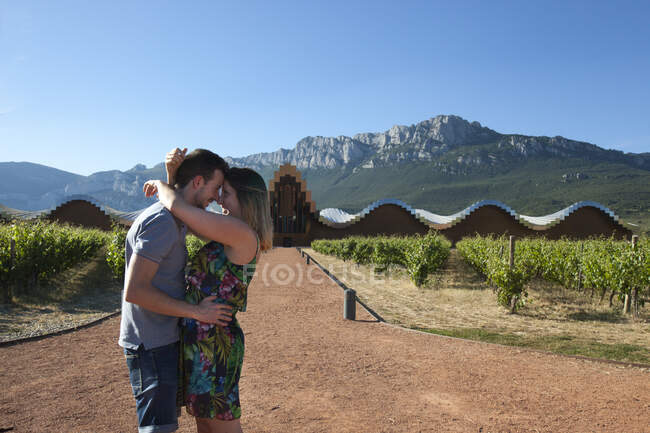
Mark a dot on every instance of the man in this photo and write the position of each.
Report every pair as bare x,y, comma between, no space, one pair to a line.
154,288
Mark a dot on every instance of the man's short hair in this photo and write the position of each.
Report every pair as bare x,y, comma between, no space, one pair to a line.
199,162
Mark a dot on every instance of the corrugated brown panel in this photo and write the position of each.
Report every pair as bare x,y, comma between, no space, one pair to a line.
587,222
387,220
82,213
487,220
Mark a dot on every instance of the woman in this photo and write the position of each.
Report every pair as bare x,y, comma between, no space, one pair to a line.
212,356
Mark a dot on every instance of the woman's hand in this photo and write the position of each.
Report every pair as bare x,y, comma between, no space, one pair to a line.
150,189
166,194
173,160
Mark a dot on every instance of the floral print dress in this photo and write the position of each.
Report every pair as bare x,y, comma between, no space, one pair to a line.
212,356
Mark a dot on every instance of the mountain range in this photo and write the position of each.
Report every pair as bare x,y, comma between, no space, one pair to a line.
442,164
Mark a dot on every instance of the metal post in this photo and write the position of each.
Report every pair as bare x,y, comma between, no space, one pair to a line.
349,304
12,260
308,259
634,295
582,249
630,297
511,264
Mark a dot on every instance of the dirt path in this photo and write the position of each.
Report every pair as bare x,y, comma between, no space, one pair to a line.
308,370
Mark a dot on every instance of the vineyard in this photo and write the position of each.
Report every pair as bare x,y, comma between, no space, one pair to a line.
593,267
32,252
421,256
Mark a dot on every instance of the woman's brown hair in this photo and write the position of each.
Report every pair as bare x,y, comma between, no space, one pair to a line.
254,202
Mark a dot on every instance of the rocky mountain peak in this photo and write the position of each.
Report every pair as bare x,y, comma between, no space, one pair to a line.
138,167
424,139
446,130
440,140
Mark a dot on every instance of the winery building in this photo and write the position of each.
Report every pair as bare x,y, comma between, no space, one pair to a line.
297,221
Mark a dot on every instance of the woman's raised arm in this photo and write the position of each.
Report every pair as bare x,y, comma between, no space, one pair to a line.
224,229
173,160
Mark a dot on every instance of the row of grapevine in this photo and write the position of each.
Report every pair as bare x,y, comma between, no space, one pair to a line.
42,249
600,265
486,256
34,251
419,255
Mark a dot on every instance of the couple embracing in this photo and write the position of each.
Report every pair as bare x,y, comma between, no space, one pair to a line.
182,342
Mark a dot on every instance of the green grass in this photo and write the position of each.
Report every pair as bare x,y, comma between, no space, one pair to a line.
561,344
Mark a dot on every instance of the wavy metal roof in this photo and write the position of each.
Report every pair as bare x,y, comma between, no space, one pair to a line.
554,218
338,218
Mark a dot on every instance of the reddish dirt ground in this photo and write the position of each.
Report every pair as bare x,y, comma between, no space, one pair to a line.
309,370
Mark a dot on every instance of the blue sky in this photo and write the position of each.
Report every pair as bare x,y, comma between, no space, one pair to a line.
90,86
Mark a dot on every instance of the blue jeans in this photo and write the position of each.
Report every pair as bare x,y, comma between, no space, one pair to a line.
154,379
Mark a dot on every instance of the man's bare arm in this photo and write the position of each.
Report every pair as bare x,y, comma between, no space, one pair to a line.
139,290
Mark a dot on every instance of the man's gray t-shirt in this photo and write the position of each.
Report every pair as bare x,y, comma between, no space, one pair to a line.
158,236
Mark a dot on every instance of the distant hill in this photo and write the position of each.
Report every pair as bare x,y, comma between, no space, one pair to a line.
442,164
28,186
24,185
30,178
